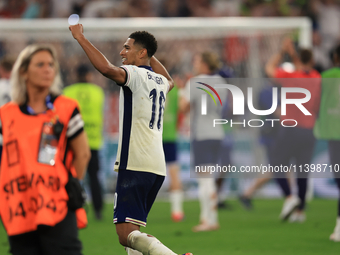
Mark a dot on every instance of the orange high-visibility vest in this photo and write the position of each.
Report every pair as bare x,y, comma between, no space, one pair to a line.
32,193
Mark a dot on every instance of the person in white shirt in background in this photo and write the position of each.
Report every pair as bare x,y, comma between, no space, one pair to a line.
205,141
6,65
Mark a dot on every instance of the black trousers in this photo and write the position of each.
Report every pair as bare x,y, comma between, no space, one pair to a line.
46,240
95,186
334,155
298,144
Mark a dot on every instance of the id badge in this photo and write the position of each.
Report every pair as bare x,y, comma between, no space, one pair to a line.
48,145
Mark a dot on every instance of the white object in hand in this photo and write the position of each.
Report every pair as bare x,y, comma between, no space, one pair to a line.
73,19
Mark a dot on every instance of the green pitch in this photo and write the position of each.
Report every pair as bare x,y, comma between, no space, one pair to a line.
258,232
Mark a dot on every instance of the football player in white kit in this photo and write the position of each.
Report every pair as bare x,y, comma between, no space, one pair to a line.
205,142
140,158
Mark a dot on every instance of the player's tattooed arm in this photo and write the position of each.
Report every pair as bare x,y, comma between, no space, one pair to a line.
98,60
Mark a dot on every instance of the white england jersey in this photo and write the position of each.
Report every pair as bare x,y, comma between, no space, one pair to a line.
202,125
141,108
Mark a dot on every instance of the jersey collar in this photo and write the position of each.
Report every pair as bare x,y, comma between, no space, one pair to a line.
147,67
49,103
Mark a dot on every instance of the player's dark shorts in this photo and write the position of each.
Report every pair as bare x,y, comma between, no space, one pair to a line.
170,151
135,193
206,151
293,143
225,151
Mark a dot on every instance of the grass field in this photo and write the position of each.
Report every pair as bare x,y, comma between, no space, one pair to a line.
242,232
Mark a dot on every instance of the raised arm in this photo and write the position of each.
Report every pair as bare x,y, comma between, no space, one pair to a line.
275,60
159,68
98,60
273,63
290,49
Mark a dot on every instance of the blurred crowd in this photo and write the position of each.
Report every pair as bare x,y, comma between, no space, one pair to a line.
164,8
234,50
325,14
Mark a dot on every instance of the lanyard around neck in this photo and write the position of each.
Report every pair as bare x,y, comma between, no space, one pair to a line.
48,102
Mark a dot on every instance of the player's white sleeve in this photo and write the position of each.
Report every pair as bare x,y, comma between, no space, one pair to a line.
168,86
132,77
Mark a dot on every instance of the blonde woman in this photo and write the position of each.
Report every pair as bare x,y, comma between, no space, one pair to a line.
43,140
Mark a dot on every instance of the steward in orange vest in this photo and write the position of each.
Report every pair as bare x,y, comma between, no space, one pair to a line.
34,171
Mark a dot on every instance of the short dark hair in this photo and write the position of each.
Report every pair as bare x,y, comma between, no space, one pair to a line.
82,71
306,56
337,51
146,40
335,55
7,63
